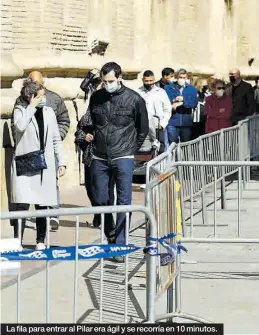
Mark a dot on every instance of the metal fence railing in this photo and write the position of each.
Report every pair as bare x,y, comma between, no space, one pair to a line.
160,163
21,301
162,200
238,143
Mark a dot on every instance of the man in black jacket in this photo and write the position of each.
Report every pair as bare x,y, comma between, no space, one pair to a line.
167,77
242,97
54,101
120,126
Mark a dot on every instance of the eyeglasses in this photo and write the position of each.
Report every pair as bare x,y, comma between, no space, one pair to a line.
220,88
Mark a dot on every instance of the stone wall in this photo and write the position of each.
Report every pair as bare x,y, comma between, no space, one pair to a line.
63,39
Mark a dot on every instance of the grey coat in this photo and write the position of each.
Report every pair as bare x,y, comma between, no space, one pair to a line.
29,188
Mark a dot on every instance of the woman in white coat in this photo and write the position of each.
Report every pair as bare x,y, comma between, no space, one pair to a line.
38,150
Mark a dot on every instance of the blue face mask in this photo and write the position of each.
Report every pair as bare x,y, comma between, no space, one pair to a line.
43,103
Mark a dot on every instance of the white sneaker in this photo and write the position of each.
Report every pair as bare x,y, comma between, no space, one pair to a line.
54,223
40,246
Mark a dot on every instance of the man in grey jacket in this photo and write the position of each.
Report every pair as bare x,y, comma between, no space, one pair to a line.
54,101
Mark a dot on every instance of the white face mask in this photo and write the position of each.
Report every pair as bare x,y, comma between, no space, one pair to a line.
112,87
171,80
181,81
43,103
219,93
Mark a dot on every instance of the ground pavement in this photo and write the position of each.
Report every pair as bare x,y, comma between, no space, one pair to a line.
220,282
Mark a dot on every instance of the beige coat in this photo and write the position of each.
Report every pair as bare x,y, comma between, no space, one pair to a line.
29,188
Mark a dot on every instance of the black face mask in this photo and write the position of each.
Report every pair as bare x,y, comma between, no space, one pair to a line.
205,88
148,86
232,79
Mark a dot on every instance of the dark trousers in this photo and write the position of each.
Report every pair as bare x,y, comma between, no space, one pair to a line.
41,223
198,129
121,171
89,190
174,133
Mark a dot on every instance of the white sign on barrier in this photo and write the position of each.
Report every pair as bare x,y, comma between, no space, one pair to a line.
9,268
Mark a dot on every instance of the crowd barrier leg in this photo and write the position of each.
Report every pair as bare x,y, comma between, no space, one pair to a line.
223,171
203,194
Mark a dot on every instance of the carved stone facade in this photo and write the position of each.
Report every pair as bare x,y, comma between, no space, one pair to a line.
204,36
66,38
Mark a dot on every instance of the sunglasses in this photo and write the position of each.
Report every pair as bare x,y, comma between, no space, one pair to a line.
220,88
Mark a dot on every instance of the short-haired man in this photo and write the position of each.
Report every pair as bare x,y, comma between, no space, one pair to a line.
120,126
183,98
243,104
167,77
158,104
54,101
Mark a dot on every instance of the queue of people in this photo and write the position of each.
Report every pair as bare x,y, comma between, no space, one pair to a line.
118,123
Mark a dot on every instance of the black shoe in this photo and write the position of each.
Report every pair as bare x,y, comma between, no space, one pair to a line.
96,221
118,259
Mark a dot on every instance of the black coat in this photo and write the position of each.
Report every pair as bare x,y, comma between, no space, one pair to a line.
242,101
120,122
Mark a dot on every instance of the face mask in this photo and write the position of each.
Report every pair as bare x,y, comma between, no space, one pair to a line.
232,79
171,80
181,81
112,87
148,86
43,103
205,88
219,93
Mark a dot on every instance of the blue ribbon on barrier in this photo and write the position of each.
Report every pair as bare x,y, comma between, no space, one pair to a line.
69,253
172,249
95,251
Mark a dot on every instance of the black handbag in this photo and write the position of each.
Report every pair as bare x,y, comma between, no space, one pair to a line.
32,162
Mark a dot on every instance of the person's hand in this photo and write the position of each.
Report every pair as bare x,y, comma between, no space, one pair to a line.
94,71
156,144
89,138
179,99
35,100
61,171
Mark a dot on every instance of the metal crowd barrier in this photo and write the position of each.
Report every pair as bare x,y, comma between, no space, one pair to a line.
160,163
161,199
238,143
76,212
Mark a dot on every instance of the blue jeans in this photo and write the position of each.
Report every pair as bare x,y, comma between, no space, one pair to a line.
174,133
121,170
89,190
